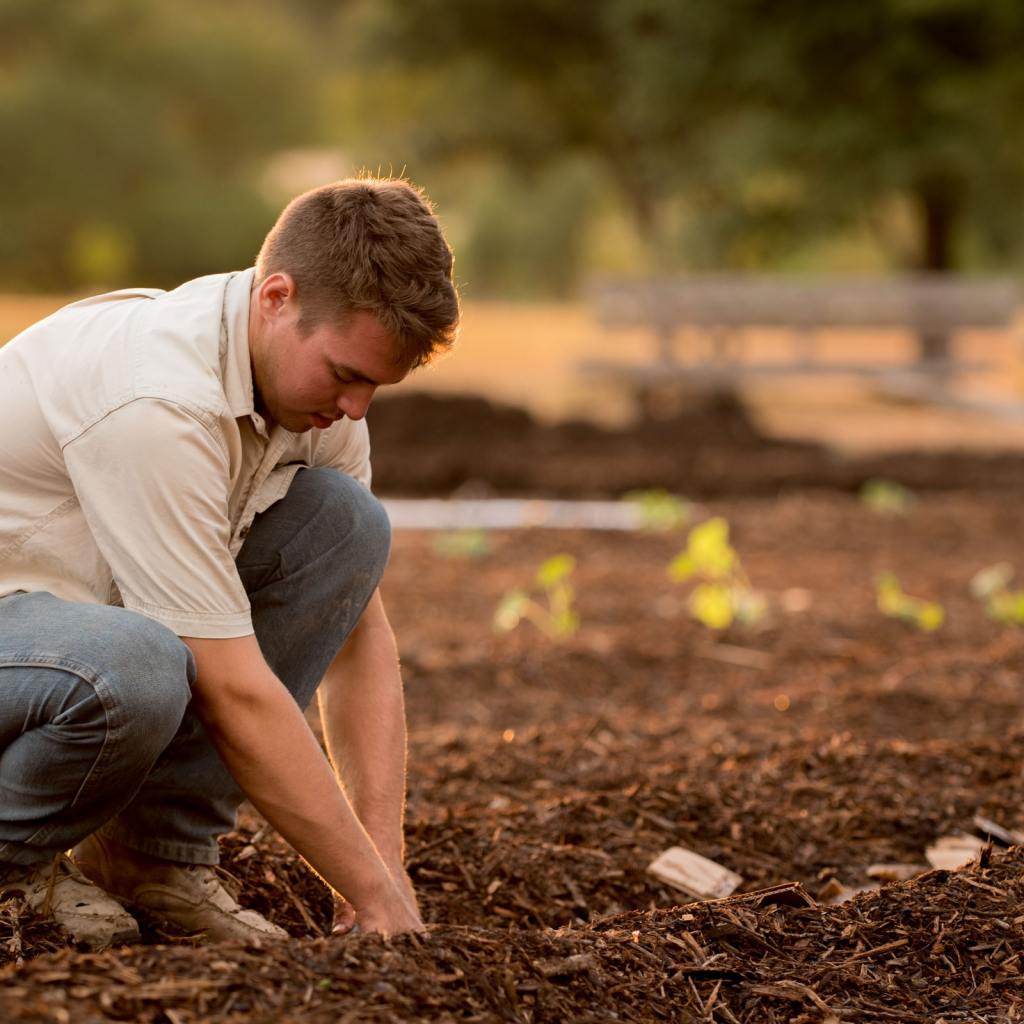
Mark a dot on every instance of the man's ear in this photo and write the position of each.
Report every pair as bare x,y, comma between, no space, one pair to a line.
275,292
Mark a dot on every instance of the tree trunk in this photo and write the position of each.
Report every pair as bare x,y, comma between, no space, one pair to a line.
938,201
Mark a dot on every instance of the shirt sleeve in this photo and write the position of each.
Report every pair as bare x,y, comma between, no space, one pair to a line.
346,446
153,483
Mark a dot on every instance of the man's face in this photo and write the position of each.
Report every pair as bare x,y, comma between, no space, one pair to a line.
310,381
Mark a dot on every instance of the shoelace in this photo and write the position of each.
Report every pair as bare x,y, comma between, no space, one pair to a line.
61,863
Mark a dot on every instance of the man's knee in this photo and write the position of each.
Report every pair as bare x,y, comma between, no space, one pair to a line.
145,681
345,515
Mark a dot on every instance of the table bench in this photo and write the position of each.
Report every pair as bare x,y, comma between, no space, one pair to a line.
936,307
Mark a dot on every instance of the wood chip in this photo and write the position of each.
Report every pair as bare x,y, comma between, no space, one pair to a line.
693,874
896,872
989,829
732,654
953,852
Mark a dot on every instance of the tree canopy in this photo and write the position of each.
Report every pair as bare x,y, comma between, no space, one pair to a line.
772,122
130,131
730,134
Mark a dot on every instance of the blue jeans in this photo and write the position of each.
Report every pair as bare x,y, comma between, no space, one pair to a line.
96,729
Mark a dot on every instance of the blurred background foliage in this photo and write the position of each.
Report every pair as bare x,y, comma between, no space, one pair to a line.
148,143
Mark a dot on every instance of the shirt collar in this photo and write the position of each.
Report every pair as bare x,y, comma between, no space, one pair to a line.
235,360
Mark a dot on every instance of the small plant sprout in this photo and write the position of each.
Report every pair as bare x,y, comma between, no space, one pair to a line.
660,510
992,586
548,604
928,616
469,544
722,593
886,497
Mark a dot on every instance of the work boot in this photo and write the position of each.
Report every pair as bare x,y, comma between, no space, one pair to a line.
188,896
57,889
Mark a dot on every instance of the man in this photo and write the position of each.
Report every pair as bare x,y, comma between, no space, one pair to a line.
188,548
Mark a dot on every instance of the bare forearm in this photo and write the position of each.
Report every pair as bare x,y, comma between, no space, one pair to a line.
363,715
269,749
267,746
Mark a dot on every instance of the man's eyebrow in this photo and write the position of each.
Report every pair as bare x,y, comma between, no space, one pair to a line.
349,371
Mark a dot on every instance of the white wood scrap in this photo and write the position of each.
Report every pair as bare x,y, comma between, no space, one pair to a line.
896,872
952,852
693,874
992,829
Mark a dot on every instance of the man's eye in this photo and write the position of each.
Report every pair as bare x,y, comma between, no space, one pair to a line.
342,379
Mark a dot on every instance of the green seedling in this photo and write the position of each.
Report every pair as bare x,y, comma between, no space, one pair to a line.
928,616
722,593
659,509
992,586
548,605
887,497
468,544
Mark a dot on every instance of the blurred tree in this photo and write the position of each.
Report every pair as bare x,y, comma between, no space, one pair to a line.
635,84
736,131
133,134
920,100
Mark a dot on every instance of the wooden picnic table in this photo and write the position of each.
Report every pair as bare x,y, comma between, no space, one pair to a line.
720,308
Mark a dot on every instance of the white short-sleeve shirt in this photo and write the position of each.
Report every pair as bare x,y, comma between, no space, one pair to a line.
132,460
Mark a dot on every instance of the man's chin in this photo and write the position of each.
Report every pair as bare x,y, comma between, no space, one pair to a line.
296,424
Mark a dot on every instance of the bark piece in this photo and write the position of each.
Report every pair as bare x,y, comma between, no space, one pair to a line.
992,830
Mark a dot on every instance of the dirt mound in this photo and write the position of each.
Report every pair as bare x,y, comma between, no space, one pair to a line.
427,444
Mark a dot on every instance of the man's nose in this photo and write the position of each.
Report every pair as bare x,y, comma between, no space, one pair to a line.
355,400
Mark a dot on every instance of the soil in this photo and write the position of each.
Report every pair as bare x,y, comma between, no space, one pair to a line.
708,447
546,775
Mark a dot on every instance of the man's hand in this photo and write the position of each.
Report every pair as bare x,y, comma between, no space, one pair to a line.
390,917
346,918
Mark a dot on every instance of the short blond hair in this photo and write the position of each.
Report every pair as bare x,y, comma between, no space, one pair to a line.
370,244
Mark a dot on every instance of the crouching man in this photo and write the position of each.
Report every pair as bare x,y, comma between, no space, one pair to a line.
188,550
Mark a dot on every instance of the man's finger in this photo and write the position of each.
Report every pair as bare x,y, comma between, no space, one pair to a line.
344,918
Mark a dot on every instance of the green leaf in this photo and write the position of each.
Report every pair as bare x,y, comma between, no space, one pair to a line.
660,509
711,604
889,595
1007,606
554,570
710,549
510,610
565,622
749,605
469,544
930,616
986,582
681,567
887,497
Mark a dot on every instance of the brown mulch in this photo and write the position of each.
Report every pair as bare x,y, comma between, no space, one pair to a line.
545,777
711,448
942,947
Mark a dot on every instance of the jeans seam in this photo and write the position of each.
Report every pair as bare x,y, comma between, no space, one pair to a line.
112,719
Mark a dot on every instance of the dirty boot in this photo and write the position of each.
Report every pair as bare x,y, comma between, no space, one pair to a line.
188,896
59,890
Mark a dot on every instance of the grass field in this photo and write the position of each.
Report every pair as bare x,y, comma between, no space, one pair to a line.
528,353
